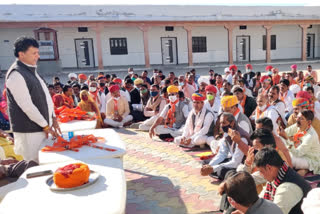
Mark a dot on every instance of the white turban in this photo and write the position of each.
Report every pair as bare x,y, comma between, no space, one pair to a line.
226,70
72,75
203,79
294,88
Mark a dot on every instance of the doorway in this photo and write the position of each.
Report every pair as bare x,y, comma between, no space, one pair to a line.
310,46
169,50
243,48
84,53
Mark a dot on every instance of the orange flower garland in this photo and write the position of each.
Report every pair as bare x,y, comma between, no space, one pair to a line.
71,175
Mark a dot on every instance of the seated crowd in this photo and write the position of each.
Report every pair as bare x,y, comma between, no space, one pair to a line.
263,129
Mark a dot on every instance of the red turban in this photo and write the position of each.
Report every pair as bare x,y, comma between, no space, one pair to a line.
117,80
198,97
114,88
82,76
233,67
303,94
249,66
211,88
265,78
269,68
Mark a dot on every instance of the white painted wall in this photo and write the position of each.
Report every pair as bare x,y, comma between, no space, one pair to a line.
6,48
217,44
135,46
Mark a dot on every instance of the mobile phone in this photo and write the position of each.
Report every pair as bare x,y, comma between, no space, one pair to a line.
38,174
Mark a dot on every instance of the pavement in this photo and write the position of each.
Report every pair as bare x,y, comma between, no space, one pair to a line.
165,178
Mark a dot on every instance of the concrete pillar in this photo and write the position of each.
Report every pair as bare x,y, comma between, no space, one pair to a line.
304,42
189,39
98,30
145,30
229,28
268,42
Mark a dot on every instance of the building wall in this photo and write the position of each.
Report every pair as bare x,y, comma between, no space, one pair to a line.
7,39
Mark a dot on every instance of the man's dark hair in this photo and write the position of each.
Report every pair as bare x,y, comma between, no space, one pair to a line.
309,66
290,74
264,136
258,73
129,81
50,86
164,90
156,86
76,85
144,85
308,114
241,188
58,84
266,123
230,118
267,156
310,89
65,88
219,75
285,81
181,94
101,73
23,43
237,89
171,72
241,81
167,82
145,71
175,82
84,87
108,76
160,71
113,76
276,88
56,78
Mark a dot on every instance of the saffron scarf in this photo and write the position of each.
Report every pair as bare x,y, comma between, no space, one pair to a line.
95,96
243,102
272,187
297,136
170,119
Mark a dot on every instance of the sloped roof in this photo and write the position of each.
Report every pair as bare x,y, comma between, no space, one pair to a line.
37,13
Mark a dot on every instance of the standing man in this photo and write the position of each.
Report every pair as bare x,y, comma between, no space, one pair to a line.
30,105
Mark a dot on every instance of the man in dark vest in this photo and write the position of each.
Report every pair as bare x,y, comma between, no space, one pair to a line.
229,155
199,124
285,187
29,103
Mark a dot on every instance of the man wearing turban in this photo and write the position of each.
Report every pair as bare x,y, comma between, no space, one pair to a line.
248,75
172,118
230,104
212,103
117,113
199,124
82,79
266,85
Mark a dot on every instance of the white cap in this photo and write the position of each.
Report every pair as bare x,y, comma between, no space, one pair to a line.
294,88
226,70
72,75
311,204
203,79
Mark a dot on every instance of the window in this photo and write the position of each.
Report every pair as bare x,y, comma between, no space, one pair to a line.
199,44
243,27
118,46
82,29
273,42
169,28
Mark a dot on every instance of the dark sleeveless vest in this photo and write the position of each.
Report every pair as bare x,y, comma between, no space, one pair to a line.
293,177
210,131
19,121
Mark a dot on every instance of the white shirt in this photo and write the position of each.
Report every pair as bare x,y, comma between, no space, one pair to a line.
102,98
317,109
281,108
214,108
288,101
243,124
152,113
229,78
271,113
19,90
124,94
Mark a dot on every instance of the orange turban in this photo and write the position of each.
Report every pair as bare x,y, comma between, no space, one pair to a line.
229,101
198,97
211,88
114,88
300,102
82,76
233,67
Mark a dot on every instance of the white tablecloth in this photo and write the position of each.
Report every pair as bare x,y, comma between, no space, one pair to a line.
86,153
107,195
77,125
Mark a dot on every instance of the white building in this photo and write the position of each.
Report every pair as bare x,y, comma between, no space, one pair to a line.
78,36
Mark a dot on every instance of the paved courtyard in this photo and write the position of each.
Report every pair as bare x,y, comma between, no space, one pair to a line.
164,178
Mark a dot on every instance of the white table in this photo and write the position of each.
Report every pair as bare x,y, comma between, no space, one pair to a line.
107,195
77,125
113,141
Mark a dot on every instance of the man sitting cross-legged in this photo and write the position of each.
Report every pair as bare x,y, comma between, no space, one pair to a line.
222,162
199,124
